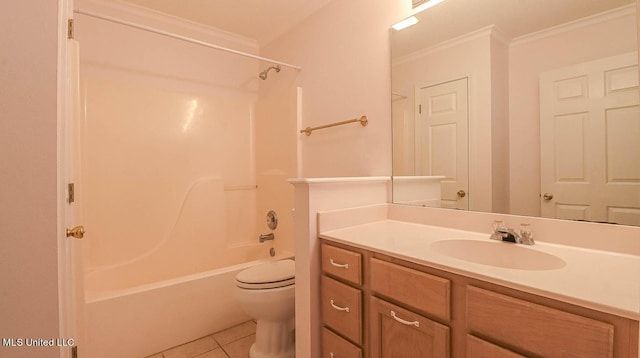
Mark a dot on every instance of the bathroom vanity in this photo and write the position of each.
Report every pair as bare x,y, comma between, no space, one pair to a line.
399,289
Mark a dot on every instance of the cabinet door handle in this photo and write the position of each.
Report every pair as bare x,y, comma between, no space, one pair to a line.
333,263
338,307
414,323
331,355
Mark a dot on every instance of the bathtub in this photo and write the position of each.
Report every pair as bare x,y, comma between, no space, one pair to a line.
130,315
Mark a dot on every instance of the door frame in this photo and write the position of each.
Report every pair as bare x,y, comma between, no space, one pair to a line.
417,143
67,305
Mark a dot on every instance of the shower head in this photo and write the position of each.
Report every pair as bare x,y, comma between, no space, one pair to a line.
263,74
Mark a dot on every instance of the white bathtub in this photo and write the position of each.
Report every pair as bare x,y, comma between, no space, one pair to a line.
128,316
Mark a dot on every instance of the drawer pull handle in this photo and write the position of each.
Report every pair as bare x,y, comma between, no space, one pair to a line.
414,323
338,307
331,355
333,263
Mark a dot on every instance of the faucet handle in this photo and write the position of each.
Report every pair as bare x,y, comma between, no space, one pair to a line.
526,235
498,225
498,228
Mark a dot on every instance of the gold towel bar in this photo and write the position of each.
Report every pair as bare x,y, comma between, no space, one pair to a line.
240,187
363,121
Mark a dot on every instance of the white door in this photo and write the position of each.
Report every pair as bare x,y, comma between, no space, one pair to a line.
70,260
590,141
442,147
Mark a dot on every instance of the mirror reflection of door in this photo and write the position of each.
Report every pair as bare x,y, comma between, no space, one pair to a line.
442,147
589,130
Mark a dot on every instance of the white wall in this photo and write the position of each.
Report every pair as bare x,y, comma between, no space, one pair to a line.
311,197
500,180
343,50
28,190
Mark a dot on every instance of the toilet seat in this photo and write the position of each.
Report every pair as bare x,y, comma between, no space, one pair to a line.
270,275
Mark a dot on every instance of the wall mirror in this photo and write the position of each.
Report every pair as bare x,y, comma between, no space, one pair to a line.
519,107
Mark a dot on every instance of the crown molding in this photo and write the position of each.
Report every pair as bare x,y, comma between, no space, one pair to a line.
160,20
605,16
485,32
494,32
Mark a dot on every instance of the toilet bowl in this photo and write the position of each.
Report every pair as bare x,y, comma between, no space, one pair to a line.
266,292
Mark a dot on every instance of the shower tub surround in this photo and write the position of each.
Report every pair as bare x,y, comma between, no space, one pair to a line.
170,221
172,187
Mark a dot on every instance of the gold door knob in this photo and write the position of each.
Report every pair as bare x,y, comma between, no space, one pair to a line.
77,232
461,193
547,196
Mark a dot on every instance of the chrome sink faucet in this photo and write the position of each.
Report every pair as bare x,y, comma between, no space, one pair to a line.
503,233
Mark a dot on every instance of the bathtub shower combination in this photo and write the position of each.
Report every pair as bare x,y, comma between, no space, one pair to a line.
181,290
170,191
145,319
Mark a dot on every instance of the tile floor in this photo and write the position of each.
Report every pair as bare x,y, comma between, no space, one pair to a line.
230,343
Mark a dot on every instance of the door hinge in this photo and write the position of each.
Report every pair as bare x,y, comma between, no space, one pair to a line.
419,109
71,192
70,30
74,352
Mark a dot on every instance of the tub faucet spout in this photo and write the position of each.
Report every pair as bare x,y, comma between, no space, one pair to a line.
265,237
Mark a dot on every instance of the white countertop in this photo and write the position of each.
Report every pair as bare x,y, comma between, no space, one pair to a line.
600,280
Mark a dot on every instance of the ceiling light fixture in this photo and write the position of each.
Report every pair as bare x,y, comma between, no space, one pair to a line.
409,21
422,5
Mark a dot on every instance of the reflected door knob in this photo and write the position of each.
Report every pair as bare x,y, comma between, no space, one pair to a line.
461,193
77,232
547,196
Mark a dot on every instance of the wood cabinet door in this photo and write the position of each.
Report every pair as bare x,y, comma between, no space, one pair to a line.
478,348
537,329
400,333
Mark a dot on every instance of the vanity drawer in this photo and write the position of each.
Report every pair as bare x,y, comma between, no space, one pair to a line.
335,347
342,308
414,288
534,328
478,348
342,263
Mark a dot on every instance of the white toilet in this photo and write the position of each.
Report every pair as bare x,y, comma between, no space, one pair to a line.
266,293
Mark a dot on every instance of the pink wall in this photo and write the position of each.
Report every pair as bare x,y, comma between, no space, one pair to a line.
28,158
343,50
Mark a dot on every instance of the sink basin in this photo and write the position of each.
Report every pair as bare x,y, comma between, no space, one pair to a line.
499,254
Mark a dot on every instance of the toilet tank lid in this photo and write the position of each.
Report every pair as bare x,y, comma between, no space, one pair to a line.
272,271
